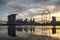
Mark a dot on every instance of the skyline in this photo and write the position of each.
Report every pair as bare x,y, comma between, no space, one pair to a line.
28,8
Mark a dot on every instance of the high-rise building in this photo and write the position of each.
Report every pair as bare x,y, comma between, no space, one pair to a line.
53,20
33,20
54,25
11,25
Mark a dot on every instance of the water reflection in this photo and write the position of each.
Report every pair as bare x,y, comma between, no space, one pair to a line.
39,30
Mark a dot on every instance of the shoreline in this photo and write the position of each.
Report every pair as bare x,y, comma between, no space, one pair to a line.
31,25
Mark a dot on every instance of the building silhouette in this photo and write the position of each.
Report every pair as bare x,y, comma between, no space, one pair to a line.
26,22
11,25
19,21
54,25
33,20
53,20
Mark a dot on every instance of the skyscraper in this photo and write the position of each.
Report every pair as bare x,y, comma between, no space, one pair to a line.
11,25
54,25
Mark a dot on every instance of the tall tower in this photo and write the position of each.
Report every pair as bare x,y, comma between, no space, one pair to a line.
33,20
54,25
26,20
11,25
53,20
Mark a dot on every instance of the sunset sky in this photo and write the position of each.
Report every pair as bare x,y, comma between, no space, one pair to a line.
28,8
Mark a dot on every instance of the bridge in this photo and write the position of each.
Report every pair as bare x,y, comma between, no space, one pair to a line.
3,22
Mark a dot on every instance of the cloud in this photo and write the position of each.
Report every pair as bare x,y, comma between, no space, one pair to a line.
57,8
30,13
40,1
30,7
4,2
23,15
22,5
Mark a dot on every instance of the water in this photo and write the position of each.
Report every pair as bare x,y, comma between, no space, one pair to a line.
39,30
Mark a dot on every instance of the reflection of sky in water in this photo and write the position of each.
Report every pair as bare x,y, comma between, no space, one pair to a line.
3,31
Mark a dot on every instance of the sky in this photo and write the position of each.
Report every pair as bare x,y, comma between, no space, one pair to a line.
28,8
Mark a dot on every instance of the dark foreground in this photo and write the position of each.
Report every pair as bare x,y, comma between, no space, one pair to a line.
29,37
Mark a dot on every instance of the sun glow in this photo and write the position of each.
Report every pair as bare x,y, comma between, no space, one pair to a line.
57,15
